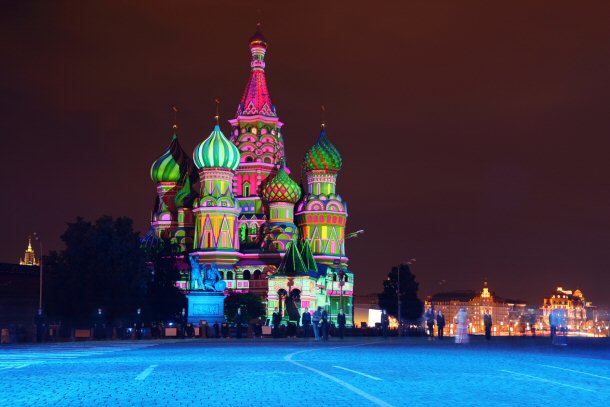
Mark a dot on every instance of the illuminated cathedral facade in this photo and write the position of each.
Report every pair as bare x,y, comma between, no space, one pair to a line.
235,205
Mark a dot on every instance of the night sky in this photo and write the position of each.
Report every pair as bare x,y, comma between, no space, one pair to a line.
475,135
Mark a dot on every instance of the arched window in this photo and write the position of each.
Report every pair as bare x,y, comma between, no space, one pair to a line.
267,160
334,277
256,275
249,159
246,275
346,278
246,189
253,229
229,275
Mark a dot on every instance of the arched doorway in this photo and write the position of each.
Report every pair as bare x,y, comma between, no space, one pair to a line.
282,294
293,305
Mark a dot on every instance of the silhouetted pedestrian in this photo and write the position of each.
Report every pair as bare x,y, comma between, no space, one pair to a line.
488,322
440,324
41,326
553,323
238,323
385,324
306,322
276,319
341,323
324,323
315,322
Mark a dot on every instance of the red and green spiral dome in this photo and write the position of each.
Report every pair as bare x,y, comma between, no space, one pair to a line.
282,188
323,155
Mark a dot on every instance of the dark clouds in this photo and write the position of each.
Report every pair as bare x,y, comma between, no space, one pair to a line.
475,135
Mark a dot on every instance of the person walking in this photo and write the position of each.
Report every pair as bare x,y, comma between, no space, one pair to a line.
276,319
440,324
553,323
306,322
487,321
41,326
341,323
315,322
561,333
238,323
385,323
462,326
325,325
430,322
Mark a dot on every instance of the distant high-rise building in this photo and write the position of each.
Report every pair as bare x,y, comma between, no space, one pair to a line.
29,258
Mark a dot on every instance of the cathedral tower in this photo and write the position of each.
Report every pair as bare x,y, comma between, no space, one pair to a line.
168,172
322,214
216,237
281,193
256,133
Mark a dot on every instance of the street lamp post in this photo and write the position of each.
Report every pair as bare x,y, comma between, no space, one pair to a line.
37,237
341,272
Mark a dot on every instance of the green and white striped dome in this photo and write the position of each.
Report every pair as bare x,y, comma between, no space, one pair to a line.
216,151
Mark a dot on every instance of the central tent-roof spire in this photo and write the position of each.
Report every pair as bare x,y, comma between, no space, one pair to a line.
256,99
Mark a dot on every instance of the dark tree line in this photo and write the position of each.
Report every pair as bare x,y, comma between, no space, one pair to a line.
412,306
103,266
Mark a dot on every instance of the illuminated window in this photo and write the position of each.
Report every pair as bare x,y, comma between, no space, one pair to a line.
246,189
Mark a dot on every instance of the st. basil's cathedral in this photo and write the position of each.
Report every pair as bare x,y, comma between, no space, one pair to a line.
234,206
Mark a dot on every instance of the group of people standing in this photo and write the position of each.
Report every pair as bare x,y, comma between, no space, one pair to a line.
431,318
461,336
318,321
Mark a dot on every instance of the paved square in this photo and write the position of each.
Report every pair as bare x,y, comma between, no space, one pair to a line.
409,371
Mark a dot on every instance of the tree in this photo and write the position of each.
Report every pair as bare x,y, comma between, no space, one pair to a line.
250,303
163,300
412,306
104,267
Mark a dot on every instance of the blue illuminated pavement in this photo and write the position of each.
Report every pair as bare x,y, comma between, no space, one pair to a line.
267,372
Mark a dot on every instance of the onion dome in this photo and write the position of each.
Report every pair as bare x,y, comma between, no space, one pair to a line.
258,38
172,165
323,155
282,188
216,151
151,242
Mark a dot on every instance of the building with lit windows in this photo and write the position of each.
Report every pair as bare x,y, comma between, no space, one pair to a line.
573,304
505,313
236,205
29,257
